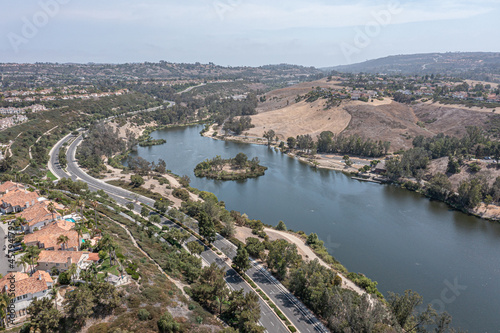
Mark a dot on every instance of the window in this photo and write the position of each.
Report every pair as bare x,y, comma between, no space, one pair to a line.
19,298
25,296
57,265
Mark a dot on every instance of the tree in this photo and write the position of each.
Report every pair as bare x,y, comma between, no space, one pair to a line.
453,166
155,218
210,287
241,261
240,160
282,255
404,306
95,204
195,247
79,228
43,316
269,135
206,227
167,324
243,312
469,193
439,187
347,161
4,305
281,226
161,166
79,304
136,180
52,209
291,142
63,239
106,298
185,180
31,255
254,247
144,211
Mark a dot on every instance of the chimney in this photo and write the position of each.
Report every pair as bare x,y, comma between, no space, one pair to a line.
69,261
39,276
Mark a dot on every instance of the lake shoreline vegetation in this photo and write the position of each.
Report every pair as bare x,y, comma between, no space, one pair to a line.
408,169
237,168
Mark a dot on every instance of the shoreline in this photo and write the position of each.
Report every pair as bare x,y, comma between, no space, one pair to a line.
484,211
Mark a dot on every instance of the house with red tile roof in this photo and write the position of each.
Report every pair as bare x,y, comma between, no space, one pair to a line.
9,186
17,200
62,260
39,215
25,288
46,238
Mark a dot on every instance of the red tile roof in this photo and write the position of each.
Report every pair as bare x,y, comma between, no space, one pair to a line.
26,285
47,237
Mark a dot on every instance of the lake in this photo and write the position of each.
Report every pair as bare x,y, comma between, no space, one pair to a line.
396,237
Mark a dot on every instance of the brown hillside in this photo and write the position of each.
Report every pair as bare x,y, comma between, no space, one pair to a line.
281,98
300,118
394,122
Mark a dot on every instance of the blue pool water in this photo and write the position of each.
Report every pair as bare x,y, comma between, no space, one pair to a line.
71,220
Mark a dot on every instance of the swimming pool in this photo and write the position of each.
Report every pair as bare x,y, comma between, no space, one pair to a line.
70,220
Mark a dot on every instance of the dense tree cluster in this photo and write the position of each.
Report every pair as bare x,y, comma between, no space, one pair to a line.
474,143
354,144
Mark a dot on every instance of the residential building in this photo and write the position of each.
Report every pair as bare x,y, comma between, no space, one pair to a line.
38,215
17,200
47,237
62,260
26,288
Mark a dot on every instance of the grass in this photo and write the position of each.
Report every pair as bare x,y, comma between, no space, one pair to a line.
105,267
51,176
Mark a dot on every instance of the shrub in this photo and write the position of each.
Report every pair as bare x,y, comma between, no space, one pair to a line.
143,314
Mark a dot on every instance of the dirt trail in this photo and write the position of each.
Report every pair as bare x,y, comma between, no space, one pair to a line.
275,234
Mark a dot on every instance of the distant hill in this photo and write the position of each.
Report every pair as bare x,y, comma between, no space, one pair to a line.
483,66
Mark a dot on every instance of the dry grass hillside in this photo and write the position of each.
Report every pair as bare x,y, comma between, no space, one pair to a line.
394,122
378,120
301,118
281,98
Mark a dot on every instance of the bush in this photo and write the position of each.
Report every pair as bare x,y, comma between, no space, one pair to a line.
181,194
143,315
292,328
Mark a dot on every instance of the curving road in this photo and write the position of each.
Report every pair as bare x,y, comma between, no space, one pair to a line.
268,319
295,311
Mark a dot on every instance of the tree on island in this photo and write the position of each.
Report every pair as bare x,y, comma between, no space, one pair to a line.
240,160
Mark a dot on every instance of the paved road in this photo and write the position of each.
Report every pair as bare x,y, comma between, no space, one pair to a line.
269,320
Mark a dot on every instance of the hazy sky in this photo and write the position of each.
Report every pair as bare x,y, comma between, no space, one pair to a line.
242,32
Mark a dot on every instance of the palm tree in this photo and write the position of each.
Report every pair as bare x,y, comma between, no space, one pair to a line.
80,202
4,304
52,208
72,271
63,239
95,204
53,293
31,255
79,228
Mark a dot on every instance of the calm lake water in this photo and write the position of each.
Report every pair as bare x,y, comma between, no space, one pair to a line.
397,238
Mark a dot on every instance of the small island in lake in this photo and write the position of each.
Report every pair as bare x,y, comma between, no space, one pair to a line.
239,167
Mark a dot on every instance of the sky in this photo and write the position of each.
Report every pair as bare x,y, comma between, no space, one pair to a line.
316,33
